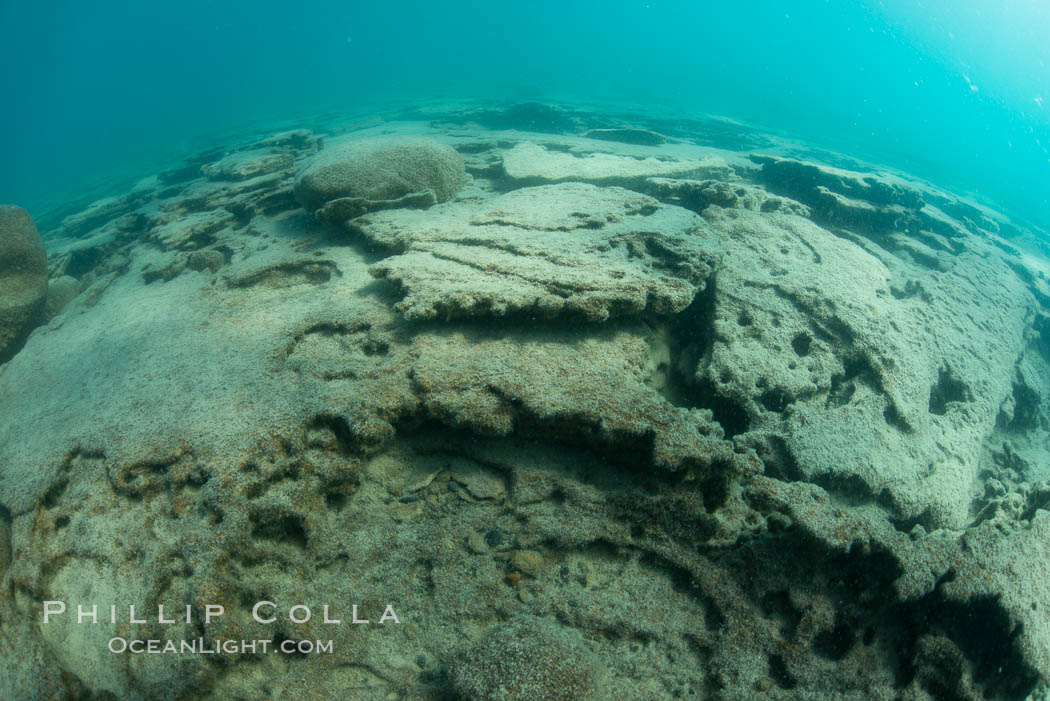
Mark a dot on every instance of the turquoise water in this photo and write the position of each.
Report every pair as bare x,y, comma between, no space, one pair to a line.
958,93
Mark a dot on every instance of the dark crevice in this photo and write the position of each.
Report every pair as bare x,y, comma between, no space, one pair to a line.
951,647
894,418
778,605
801,344
835,643
779,672
779,461
339,429
949,389
284,528
775,399
691,337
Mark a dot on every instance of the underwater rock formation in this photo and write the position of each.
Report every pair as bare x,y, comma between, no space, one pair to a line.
699,427
857,383
553,384
697,195
561,249
356,177
23,278
101,212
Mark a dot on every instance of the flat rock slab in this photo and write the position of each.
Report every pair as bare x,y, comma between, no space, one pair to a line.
573,249
532,162
191,231
247,164
572,389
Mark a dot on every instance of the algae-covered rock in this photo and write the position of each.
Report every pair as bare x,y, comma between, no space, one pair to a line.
23,278
527,660
356,177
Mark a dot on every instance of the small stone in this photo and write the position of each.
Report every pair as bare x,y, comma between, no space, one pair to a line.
420,479
476,544
411,513
205,260
191,231
300,139
524,596
482,483
527,562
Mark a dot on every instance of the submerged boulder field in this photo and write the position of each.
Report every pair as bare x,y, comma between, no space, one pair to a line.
593,410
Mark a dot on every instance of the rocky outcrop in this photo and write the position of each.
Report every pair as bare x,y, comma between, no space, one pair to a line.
846,378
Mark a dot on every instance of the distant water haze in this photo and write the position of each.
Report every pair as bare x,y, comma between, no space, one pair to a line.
957,93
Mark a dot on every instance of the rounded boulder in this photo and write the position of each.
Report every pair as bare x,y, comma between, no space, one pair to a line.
363,176
23,278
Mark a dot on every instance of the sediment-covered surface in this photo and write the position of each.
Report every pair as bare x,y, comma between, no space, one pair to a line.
635,409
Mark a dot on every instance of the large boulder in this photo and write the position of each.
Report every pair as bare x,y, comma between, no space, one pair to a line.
23,278
357,177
